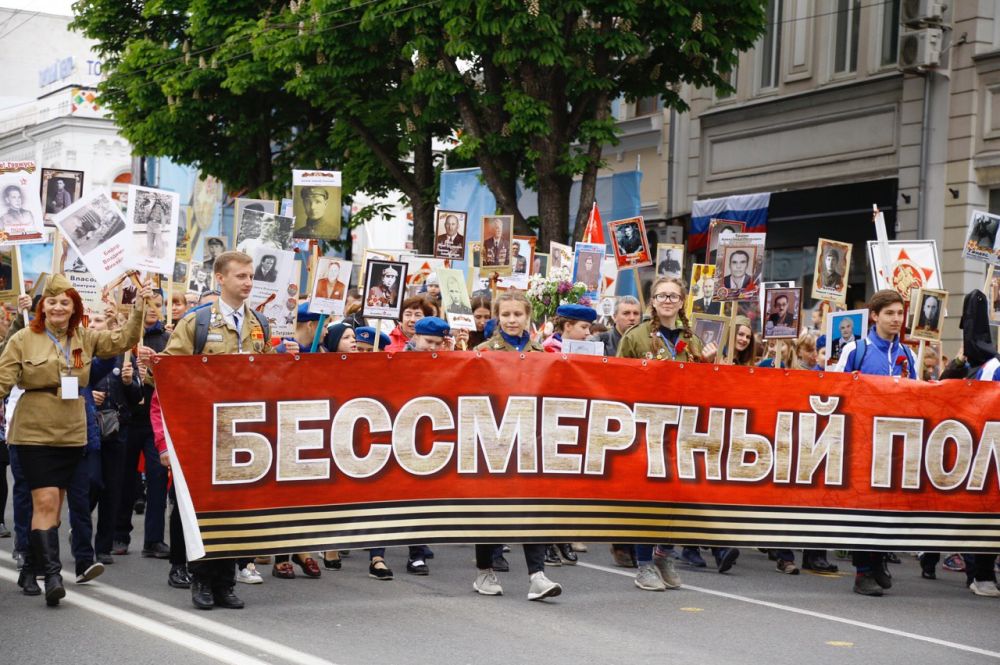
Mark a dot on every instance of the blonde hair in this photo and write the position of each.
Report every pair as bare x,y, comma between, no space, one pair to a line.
511,295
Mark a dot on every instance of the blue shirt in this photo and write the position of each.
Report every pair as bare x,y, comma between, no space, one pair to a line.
879,357
990,371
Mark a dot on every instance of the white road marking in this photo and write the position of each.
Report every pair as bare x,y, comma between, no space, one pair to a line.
194,618
199,645
818,615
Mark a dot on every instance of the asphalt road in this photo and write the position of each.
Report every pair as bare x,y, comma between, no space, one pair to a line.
750,615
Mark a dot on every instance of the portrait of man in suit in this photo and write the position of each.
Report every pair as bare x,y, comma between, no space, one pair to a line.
449,243
738,270
497,247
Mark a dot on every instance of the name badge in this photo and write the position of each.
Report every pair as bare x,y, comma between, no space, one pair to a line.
214,337
69,387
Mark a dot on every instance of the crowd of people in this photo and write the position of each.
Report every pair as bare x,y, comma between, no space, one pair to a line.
85,426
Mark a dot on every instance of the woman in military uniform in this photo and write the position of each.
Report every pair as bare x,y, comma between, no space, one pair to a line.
513,311
50,360
665,336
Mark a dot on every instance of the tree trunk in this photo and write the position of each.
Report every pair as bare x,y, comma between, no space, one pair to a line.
553,207
423,206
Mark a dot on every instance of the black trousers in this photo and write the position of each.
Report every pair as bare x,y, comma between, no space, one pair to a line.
220,574
534,556
865,562
107,499
178,553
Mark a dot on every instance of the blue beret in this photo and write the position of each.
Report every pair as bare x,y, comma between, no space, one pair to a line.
366,335
305,315
577,313
432,325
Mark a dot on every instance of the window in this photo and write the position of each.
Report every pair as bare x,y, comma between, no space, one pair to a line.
848,20
890,32
646,106
770,46
730,78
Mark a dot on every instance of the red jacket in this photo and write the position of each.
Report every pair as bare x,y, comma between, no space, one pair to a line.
398,342
156,420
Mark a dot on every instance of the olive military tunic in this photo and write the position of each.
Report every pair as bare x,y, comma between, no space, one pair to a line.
34,363
498,343
644,341
222,338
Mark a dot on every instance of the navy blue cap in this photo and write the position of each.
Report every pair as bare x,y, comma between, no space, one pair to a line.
305,315
366,335
577,313
433,326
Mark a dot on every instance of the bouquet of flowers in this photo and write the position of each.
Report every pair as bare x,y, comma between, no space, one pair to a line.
547,293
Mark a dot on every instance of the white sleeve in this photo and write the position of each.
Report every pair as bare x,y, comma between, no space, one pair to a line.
845,352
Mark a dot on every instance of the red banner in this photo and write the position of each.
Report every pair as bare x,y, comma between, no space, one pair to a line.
327,451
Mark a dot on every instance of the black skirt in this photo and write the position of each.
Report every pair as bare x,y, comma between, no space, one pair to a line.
49,466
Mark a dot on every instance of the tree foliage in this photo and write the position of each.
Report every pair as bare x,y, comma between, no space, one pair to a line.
383,89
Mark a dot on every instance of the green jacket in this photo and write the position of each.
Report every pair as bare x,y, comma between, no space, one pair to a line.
642,341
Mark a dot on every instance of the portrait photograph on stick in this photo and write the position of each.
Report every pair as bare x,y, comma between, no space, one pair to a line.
383,289
498,238
152,217
833,262
735,278
701,295
993,294
316,201
263,229
928,307
711,329
560,256
540,264
95,227
843,328
720,231
628,241
60,188
782,313
522,251
669,260
455,299
21,216
329,289
449,235
587,259
259,205
981,238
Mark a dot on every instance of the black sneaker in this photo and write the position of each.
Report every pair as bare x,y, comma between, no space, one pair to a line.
727,558
567,554
417,567
178,577
820,565
156,550
501,565
88,570
227,598
139,507
105,558
865,584
201,596
379,572
552,557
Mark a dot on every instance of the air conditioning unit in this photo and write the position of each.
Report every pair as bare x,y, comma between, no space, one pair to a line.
915,12
919,49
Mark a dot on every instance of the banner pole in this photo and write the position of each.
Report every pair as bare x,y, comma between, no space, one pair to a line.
20,279
169,303
320,326
378,333
918,370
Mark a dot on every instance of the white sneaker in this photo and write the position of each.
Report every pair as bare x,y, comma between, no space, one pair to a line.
985,588
668,573
487,583
249,575
648,579
542,587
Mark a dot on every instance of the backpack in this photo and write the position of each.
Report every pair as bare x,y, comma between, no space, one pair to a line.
203,317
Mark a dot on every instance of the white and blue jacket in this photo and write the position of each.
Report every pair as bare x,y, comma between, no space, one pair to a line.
874,355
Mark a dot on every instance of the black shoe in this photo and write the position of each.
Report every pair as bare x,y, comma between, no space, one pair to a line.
552,557
139,507
227,599
26,579
106,559
882,576
501,565
45,551
727,557
865,584
382,573
569,557
417,567
820,565
201,595
178,577
892,557
332,564
156,550
928,573
88,570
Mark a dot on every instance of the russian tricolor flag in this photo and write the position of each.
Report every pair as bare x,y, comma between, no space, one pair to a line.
749,208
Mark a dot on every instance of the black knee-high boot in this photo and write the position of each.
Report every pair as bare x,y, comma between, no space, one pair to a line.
45,546
26,580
